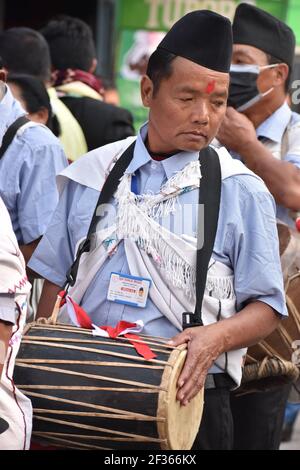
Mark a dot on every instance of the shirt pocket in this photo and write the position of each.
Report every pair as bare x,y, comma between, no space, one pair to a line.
219,300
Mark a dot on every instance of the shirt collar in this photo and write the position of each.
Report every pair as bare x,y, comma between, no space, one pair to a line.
10,110
171,165
274,127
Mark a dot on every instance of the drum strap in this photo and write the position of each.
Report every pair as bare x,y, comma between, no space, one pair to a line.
209,198
10,134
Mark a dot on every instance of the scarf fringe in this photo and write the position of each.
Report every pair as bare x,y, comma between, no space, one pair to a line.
137,220
220,287
133,223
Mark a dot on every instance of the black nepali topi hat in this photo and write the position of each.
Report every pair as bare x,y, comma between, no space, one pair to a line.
255,27
202,36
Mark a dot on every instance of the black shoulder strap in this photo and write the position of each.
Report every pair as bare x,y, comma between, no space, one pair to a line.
108,190
11,132
209,201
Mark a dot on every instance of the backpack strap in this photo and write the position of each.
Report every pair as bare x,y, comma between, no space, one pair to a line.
11,132
107,191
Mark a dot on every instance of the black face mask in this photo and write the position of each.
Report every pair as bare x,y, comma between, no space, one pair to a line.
242,87
243,91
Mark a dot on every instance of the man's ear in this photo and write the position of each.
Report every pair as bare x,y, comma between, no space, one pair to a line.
146,90
3,75
93,66
41,116
281,74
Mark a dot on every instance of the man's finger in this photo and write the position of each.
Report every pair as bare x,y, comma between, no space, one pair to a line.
188,370
195,389
190,384
193,374
190,389
230,111
181,338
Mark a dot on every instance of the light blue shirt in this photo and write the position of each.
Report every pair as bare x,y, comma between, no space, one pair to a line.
272,129
246,240
28,172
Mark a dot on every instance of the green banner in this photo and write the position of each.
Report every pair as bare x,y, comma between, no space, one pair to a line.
293,17
135,48
159,15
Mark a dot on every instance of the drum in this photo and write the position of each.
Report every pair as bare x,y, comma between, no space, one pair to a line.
91,392
269,363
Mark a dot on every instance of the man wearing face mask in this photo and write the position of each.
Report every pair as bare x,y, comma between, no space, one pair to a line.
260,129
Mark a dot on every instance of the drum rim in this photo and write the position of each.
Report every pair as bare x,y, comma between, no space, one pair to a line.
167,406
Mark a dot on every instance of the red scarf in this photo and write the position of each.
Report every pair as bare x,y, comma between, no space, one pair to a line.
61,77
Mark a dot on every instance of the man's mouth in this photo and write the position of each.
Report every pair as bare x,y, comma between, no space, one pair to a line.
197,134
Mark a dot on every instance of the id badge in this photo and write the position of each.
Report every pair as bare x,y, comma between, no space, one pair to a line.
128,290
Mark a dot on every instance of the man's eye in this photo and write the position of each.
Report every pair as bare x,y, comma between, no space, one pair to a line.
186,99
218,103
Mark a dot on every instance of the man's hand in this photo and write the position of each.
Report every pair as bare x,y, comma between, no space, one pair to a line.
206,343
47,300
236,131
282,178
203,347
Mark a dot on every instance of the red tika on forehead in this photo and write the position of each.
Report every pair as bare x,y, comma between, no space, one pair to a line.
210,87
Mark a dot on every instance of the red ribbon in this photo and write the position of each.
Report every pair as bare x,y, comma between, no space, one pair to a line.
84,322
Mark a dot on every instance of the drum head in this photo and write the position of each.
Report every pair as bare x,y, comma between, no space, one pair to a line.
182,422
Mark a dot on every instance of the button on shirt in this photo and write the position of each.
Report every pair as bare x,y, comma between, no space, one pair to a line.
246,240
27,173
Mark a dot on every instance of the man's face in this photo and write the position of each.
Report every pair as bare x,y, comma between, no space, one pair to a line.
187,109
243,54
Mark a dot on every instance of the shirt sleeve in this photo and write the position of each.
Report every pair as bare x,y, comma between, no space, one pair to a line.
55,253
293,143
255,252
38,194
295,159
7,308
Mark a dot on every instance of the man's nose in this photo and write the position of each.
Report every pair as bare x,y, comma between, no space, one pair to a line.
200,113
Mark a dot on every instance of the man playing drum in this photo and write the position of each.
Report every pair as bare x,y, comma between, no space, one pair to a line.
149,229
15,408
265,134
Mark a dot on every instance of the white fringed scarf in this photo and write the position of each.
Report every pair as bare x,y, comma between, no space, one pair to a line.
137,220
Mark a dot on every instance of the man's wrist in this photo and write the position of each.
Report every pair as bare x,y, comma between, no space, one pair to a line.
250,150
222,337
252,154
